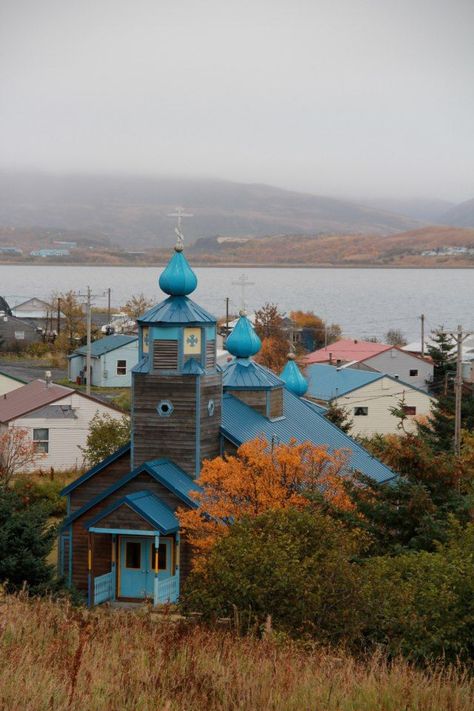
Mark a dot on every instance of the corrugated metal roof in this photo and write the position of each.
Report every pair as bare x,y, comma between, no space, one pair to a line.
347,349
177,309
243,373
241,423
325,382
105,345
30,397
95,470
147,505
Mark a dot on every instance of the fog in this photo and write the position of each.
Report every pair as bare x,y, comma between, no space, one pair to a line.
339,97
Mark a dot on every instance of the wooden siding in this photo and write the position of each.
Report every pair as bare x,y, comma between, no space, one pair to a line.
165,355
125,517
98,483
276,403
257,399
211,389
80,534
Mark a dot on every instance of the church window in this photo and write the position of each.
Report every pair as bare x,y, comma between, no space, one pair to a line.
192,342
121,367
133,554
165,408
211,408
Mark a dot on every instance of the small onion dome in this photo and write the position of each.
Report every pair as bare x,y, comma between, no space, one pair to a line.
178,279
243,342
293,378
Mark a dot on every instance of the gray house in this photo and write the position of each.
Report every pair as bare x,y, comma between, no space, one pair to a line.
113,358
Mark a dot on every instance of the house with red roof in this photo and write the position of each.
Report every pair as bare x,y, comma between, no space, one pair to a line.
379,357
56,419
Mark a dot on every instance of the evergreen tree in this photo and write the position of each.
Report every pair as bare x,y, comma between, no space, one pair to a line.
26,540
339,416
443,354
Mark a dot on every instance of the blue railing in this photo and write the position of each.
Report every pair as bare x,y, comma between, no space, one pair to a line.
167,590
103,588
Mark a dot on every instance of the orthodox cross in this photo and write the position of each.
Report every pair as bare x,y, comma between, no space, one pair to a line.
192,340
243,282
179,213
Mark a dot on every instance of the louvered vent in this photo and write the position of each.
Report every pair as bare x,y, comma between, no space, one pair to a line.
165,355
210,354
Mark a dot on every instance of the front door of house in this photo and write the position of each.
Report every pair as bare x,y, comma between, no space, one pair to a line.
137,565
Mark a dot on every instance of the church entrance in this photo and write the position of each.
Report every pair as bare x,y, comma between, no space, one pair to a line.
137,565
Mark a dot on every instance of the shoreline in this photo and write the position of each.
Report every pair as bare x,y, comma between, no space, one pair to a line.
238,265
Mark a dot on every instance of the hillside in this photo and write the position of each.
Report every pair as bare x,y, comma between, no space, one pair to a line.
132,211
461,215
404,249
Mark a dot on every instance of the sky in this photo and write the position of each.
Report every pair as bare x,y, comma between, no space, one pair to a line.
348,98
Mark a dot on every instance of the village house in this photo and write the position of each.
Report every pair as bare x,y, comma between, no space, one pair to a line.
121,538
367,397
380,357
39,314
112,358
56,419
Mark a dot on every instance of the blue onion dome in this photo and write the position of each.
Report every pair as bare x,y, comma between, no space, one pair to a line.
243,342
293,378
178,279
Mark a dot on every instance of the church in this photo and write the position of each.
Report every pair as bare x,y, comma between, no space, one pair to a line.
121,537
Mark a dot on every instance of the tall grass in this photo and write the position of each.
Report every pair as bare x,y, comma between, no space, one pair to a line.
54,657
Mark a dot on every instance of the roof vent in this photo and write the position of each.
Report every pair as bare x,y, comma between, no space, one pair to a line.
48,377
396,376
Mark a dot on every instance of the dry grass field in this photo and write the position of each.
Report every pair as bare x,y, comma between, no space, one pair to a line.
54,657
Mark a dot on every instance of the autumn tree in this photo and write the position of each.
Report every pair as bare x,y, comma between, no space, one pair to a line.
395,337
269,322
273,354
262,477
17,453
316,332
136,306
73,321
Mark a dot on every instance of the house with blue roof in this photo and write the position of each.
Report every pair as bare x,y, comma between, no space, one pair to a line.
368,398
121,538
112,360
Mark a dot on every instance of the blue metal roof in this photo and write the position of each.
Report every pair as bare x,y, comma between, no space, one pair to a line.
192,367
162,470
320,409
326,382
245,374
302,423
95,470
176,309
243,342
105,345
147,505
178,279
142,366
293,378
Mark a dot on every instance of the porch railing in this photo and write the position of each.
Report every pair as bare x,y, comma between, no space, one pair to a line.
103,588
167,590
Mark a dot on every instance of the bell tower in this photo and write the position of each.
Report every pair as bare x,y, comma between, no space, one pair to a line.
176,386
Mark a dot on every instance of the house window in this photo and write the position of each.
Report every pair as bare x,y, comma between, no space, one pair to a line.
20,335
121,367
162,557
409,410
413,372
133,554
361,411
41,440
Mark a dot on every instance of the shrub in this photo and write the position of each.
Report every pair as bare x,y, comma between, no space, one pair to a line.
294,565
106,435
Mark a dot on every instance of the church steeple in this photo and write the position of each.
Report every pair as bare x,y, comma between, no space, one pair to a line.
243,342
177,387
293,378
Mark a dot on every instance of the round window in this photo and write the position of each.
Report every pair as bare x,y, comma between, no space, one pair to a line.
164,408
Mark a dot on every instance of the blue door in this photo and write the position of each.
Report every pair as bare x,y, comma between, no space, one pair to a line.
137,565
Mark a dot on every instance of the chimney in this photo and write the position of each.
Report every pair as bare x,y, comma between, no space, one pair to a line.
330,358
48,377
396,376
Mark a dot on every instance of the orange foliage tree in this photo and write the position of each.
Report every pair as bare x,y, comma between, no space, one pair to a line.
273,354
262,477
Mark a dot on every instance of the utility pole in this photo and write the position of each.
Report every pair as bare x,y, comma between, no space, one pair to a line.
459,336
109,315
226,316
58,329
89,341
422,319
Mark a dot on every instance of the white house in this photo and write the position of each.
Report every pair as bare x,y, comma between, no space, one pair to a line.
367,397
56,418
112,358
380,357
9,383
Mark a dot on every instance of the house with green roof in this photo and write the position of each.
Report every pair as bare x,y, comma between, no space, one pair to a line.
112,360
